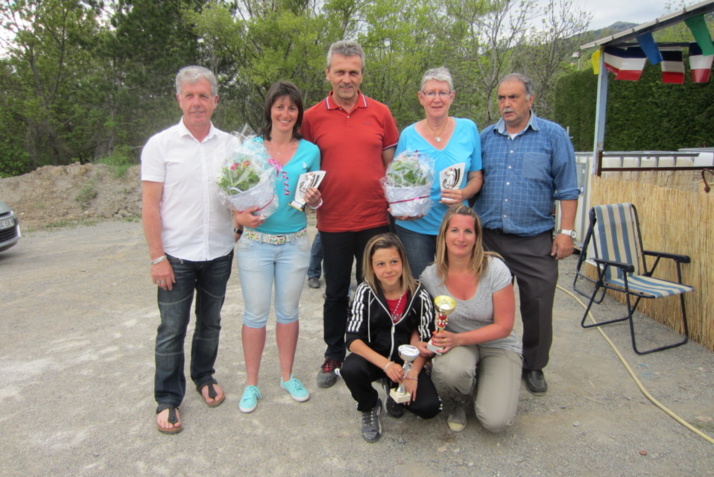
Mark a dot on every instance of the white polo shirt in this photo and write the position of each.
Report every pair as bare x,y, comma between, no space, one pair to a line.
195,225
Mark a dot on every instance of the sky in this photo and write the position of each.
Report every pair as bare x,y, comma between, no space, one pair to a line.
607,12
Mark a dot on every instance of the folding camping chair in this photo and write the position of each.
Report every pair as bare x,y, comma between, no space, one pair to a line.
621,266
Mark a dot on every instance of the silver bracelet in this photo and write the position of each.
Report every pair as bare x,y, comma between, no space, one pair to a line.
158,260
317,206
386,366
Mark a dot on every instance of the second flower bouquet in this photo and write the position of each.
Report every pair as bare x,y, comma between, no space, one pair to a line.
408,183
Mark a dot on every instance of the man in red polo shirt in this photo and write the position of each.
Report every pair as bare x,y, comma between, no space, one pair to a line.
357,137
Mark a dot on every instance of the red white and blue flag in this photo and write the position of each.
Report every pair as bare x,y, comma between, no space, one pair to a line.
626,64
699,64
672,66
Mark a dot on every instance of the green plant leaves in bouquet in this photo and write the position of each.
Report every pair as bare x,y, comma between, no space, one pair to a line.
240,175
410,169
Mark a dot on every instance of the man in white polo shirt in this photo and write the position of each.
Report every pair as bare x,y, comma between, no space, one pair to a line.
190,239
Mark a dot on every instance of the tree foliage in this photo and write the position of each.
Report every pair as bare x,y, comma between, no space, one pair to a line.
86,79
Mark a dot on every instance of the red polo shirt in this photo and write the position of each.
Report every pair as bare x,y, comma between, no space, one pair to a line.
351,146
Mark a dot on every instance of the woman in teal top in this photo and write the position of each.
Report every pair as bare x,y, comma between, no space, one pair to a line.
448,141
276,251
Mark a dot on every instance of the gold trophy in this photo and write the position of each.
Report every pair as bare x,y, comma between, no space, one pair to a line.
408,353
444,306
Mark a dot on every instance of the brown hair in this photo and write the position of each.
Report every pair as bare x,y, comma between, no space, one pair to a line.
276,91
379,242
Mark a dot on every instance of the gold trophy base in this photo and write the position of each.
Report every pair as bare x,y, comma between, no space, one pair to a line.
400,398
298,204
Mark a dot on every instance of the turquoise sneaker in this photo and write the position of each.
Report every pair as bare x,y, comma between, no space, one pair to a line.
249,400
296,389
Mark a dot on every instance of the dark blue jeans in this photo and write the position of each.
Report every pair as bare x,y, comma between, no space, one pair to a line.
209,280
315,268
340,250
420,248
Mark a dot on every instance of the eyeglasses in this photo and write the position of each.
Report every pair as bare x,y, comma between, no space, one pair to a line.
433,94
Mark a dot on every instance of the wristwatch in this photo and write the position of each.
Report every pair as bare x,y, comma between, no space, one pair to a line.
568,232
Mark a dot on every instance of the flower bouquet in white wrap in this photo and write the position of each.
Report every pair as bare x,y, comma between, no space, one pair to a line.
246,178
407,184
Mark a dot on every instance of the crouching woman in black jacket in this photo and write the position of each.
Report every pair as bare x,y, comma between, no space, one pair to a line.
389,309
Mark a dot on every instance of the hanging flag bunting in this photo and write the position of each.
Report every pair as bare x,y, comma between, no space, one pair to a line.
700,65
626,64
649,46
595,59
672,66
613,58
698,26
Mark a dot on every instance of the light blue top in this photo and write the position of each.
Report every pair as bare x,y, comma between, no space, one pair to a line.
524,176
463,146
287,219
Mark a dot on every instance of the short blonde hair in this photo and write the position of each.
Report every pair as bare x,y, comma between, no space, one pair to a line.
382,241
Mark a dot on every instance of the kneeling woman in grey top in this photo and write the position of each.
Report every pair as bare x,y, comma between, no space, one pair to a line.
479,337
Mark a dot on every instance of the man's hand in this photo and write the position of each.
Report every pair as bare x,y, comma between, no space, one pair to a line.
162,274
562,246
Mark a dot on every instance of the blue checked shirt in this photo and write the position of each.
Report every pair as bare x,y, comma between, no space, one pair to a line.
524,176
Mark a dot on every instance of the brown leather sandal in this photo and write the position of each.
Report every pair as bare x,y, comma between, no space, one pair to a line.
173,419
212,394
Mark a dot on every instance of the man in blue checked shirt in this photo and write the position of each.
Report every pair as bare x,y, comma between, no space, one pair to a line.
528,164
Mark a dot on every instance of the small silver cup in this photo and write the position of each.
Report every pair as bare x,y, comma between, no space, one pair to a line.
408,353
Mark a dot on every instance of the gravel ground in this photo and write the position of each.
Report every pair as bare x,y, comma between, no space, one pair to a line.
76,395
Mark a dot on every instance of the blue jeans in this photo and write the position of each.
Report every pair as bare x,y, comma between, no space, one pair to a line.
340,250
262,265
315,268
420,248
209,280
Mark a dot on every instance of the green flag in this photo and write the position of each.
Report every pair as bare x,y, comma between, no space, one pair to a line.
698,27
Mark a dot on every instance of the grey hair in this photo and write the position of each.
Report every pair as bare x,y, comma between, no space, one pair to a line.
191,74
345,48
437,74
527,83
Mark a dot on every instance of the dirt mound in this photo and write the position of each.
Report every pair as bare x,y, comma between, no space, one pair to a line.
58,195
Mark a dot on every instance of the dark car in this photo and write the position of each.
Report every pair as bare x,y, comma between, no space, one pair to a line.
9,227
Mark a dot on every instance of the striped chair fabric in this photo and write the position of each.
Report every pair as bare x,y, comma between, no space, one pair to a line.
614,238
617,238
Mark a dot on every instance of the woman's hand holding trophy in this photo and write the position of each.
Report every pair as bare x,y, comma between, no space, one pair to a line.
440,342
400,394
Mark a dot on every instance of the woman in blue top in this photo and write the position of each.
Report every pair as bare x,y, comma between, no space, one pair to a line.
276,251
448,141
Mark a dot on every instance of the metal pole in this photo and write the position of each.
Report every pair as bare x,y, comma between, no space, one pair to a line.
600,113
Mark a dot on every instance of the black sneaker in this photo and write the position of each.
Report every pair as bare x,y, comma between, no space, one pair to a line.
371,426
393,409
327,376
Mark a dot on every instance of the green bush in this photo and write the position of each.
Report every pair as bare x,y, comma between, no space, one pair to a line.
644,115
121,159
